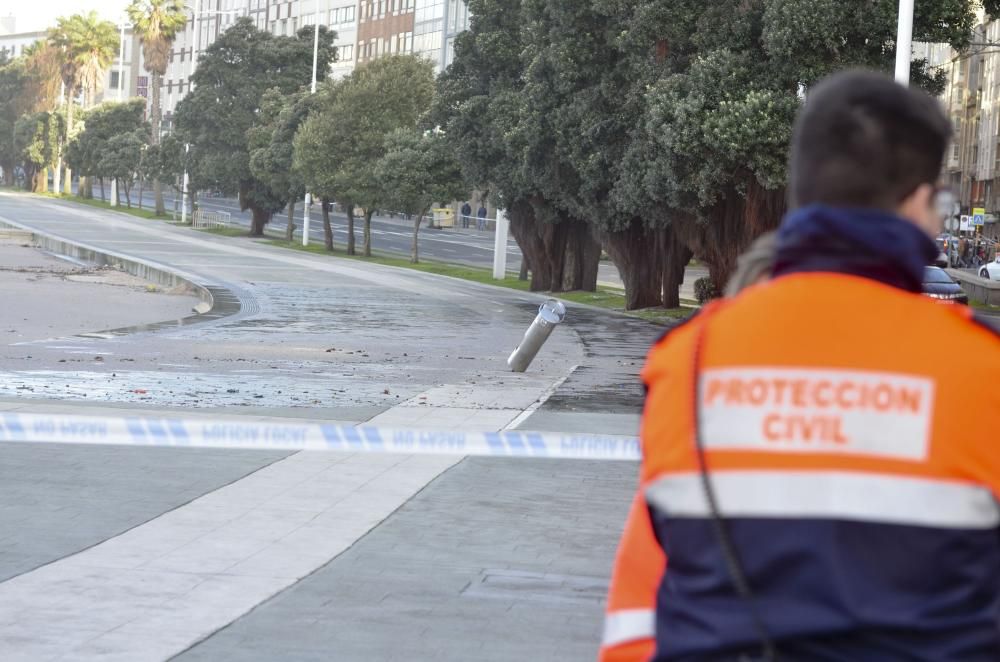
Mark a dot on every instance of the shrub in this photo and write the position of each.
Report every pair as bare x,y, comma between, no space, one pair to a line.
705,290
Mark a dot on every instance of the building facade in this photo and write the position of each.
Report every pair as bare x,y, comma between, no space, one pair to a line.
365,29
136,81
971,98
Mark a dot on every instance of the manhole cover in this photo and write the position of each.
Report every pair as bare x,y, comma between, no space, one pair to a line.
537,587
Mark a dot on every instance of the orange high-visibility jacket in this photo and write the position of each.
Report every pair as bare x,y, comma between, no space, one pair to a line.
851,433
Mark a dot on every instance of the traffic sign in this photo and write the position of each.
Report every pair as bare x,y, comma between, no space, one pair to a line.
965,219
978,216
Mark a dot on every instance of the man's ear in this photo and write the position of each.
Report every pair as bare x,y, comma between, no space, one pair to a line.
919,209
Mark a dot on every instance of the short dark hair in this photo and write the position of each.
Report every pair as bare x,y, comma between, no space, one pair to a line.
863,140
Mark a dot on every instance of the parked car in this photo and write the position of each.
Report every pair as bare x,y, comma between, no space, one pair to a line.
939,285
991,270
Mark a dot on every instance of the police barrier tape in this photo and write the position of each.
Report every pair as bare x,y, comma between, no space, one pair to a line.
207,433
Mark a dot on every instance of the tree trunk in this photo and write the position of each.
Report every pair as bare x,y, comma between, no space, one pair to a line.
733,224
674,257
581,257
523,227
34,182
523,273
57,173
415,250
290,228
45,180
101,180
142,181
154,124
69,135
327,228
351,250
635,252
260,219
368,233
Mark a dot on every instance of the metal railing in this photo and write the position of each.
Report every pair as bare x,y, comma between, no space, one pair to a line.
211,219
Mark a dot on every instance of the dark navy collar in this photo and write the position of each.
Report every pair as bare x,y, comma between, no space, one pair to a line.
860,242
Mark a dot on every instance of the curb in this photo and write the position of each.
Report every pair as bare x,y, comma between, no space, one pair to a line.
215,300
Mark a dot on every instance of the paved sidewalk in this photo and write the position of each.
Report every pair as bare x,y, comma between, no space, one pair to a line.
497,560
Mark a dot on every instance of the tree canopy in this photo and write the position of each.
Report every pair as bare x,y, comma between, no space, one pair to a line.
339,145
217,116
660,126
418,169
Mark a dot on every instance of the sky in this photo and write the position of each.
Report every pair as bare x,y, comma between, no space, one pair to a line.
41,14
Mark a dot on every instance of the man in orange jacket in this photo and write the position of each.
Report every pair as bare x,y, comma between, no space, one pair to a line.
805,493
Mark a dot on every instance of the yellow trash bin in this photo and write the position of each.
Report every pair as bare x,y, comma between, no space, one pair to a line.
444,217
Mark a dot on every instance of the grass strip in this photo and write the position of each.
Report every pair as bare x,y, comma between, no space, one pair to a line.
106,206
608,298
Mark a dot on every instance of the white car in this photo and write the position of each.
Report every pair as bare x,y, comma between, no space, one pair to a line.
990,270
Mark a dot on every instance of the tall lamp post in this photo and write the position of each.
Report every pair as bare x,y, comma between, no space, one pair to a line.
312,90
121,97
904,42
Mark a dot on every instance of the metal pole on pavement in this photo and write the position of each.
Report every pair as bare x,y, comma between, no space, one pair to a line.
184,187
194,43
904,42
308,199
121,97
500,246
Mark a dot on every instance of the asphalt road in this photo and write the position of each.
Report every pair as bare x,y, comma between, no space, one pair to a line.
393,236
388,235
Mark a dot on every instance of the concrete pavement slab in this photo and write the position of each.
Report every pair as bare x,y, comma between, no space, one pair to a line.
494,560
155,590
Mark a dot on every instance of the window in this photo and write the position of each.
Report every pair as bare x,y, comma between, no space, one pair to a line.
115,79
170,86
345,53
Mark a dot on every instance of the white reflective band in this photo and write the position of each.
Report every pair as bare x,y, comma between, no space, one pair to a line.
829,495
627,625
208,433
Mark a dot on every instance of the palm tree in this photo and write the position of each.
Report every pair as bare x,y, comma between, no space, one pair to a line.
87,46
42,60
157,22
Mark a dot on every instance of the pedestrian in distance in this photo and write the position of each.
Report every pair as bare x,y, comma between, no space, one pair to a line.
804,492
466,212
481,218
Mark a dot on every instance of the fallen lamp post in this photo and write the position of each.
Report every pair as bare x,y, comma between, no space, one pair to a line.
550,314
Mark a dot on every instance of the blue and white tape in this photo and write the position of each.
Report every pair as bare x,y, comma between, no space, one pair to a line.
206,433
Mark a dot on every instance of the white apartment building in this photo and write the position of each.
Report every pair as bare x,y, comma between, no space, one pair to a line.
135,79
365,29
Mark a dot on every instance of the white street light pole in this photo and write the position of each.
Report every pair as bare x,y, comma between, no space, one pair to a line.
184,187
904,42
308,200
500,246
121,97
194,44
